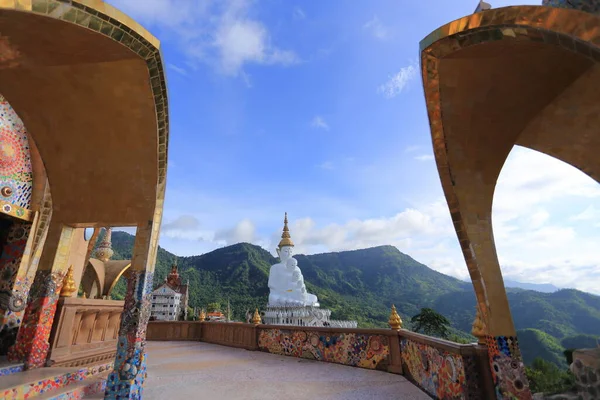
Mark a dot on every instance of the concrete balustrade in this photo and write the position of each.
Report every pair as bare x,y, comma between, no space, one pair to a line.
85,331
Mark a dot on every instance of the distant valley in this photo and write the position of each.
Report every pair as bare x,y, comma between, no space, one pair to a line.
363,284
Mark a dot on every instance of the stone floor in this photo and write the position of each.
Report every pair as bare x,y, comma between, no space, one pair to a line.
194,370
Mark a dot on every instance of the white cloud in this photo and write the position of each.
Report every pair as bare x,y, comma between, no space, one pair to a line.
376,28
319,123
326,165
219,33
177,69
183,223
397,82
424,157
244,231
591,213
299,13
411,149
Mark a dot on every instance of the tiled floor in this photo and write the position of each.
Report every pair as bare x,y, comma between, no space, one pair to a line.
194,370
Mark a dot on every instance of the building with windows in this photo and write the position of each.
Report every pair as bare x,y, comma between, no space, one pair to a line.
169,301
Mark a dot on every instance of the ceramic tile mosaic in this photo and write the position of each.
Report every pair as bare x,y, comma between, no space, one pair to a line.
92,389
357,350
439,373
16,175
11,369
128,377
32,340
508,371
13,290
29,390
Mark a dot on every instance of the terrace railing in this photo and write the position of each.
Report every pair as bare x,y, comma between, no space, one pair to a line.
441,368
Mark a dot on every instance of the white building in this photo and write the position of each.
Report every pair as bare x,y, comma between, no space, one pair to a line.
166,304
169,301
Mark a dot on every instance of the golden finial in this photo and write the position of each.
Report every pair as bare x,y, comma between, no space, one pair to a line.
256,318
286,239
395,321
68,287
202,315
479,330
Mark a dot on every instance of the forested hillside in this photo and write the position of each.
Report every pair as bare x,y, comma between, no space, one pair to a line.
362,285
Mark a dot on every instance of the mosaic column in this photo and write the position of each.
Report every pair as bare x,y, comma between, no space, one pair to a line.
127,378
14,285
32,343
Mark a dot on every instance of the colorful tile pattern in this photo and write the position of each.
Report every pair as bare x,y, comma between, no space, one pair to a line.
357,350
11,369
127,379
30,390
32,340
508,370
16,174
13,290
439,373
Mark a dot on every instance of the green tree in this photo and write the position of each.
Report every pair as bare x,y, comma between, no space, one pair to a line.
213,307
546,377
430,323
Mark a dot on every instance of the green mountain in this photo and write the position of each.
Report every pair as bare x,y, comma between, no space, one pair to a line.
362,285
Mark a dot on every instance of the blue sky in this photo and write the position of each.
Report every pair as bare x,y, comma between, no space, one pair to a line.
316,108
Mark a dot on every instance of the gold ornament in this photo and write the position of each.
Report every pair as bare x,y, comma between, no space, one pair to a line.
286,239
68,287
479,329
202,315
395,321
256,318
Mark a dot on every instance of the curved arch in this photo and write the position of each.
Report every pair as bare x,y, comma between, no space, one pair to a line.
90,282
102,42
114,272
99,271
523,69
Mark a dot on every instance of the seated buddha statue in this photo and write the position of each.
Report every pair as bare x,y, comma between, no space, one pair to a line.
286,283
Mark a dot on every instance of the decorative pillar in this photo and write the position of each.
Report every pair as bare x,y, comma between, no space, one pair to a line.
14,285
127,378
32,344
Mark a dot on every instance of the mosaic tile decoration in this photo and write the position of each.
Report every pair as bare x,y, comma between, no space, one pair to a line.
32,340
16,173
91,389
508,371
30,390
11,369
127,379
12,253
353,349
439,373
472,373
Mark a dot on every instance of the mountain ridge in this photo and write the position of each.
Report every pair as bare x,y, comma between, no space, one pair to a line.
363,284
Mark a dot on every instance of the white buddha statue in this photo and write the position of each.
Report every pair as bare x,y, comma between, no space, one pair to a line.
286,282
